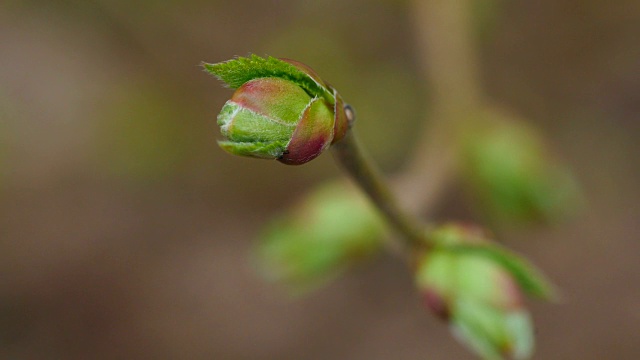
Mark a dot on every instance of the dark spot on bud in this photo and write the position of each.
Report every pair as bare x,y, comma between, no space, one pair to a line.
350,113
437,305
286,152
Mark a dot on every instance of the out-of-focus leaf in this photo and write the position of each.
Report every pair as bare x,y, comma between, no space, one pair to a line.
477,288
318,238
468,239
512,173
530,279
492,334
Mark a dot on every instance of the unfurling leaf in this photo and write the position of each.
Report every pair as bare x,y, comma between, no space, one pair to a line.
281,110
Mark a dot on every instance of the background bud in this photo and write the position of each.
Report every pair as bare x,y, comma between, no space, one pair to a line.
477,288
512,173
280,110
331,228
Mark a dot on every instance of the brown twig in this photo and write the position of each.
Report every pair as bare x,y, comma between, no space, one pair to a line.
449,61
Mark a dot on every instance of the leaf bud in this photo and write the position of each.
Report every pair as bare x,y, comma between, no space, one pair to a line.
479,297
281,109
330,229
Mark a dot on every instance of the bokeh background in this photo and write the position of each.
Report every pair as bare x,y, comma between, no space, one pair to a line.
126,233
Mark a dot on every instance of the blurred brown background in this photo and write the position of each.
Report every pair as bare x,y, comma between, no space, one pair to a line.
126,233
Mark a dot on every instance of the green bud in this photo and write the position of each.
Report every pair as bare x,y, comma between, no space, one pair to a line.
476,295
512,173
281,110
330,229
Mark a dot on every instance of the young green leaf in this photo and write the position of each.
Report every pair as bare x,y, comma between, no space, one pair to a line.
238,71
530,279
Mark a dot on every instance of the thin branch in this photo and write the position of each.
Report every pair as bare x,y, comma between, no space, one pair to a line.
349,153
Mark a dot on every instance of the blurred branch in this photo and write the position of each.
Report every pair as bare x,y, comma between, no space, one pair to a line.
448,54
449,61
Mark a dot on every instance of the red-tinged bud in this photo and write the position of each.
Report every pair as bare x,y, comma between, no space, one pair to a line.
475,294
281,110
